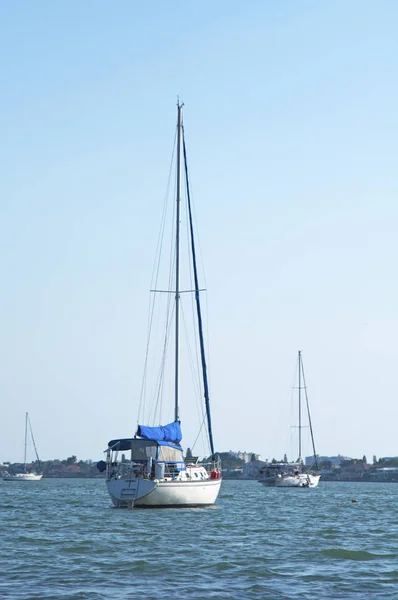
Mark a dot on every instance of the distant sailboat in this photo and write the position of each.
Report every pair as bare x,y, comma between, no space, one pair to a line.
157,474
25,475
293,474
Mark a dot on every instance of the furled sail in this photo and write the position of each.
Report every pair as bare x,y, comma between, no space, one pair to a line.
164,433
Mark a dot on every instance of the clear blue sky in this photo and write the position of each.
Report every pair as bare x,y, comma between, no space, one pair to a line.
292,121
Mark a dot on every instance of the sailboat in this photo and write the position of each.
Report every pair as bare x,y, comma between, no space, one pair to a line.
293,474
157,474
25,475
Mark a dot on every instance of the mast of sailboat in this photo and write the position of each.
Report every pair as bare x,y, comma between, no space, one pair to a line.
177,286
299,391
26,439
197,299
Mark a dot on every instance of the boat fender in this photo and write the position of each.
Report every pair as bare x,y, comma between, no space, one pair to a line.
101,466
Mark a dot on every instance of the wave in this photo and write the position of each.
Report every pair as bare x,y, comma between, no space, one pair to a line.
351,554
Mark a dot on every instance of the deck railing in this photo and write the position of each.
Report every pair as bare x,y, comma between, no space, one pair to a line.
127,469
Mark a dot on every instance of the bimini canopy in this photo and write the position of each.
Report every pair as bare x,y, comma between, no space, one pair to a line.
164,433
143,449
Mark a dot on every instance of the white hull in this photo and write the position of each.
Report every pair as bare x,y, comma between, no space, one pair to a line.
301,480
150,493
23,477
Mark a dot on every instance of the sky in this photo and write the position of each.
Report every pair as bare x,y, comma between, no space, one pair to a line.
292,130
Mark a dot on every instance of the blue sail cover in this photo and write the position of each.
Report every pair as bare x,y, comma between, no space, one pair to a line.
164,433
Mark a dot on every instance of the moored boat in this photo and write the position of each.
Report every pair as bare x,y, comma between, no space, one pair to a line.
156,472
285,474
25,475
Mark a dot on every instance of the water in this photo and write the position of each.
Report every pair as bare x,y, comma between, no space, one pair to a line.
62,539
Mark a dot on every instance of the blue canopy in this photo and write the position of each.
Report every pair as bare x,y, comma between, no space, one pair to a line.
164,433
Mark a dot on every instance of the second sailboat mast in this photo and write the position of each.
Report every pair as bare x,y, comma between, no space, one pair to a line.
299,386
26,439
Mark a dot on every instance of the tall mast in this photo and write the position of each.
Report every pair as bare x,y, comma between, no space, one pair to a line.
26,439
177,290
299,387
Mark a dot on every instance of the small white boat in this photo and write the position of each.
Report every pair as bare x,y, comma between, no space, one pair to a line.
293,475
296,479
25,475
156,472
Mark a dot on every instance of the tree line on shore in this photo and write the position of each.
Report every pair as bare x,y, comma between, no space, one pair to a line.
349,469
68,467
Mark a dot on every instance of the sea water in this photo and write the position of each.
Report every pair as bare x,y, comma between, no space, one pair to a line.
61,538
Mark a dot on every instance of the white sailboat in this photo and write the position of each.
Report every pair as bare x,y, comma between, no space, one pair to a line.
25,475
293,474
157,474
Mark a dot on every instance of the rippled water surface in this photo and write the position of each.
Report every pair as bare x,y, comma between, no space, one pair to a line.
62,539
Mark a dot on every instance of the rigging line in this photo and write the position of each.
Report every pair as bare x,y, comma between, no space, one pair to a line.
197,297
158,254
204,434
161,374
287,414
192,284
202,430
158,387
144,376
203,271
172,247
170,306
309,416
208,340
196,228
172,252
196,381
288,409
34,443
194,371
199,432
155,277
143,382
293,401
163,219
